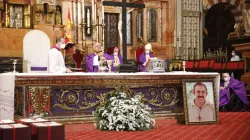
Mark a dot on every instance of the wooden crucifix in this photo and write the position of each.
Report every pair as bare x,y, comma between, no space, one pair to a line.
124,5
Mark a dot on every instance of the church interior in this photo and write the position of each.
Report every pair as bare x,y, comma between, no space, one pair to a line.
155,51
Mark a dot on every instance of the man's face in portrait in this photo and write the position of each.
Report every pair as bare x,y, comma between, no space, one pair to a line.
200,93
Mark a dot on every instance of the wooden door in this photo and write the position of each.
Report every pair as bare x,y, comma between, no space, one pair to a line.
111,30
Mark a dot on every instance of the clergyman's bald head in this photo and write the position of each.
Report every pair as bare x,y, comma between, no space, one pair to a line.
97,47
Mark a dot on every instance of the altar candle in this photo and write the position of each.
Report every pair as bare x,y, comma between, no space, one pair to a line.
184,65
92,11
88,21
83,10
102,11
88,18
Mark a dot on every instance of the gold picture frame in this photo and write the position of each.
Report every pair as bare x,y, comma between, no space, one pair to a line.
200,101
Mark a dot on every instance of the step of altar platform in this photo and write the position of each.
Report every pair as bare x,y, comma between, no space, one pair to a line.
165,114
72,119
91,118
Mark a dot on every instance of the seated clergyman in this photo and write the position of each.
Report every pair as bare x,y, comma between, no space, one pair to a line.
115,57
232,94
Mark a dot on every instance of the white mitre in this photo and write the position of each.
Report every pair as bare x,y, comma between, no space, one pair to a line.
148,47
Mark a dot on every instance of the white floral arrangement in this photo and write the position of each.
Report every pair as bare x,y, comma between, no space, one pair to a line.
122,113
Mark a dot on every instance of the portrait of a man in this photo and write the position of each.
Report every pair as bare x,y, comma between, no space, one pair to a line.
200,101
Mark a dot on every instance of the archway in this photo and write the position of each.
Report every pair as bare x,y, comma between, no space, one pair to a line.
219,22
235,6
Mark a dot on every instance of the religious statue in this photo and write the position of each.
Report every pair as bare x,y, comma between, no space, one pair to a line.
242,27
246,21
58,16
37,18
120,29
49,18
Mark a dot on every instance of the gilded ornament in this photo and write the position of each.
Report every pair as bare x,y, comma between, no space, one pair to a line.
38,8
51,9
153,5
19,101
40,96
58,16
71,99
166,96
49,18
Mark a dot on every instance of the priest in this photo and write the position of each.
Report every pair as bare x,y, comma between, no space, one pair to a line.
232,95
95,59
144,57
115,57
56,60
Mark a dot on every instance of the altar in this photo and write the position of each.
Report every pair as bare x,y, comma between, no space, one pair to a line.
70,97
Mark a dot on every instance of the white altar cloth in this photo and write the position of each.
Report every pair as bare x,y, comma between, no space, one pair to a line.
7,85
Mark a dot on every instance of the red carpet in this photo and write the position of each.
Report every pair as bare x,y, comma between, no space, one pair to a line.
232,126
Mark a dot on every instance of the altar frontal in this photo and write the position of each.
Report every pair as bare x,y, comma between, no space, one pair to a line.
76,95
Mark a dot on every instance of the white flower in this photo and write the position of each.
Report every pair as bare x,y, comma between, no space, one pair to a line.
124,113
123,95
138,97
112,98
104,113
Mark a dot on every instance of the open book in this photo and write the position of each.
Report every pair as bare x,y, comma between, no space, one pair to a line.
69,45
148,63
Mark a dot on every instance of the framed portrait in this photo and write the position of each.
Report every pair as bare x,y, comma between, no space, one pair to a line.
200,101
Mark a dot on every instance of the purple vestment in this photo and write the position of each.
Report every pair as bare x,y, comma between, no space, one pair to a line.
142,60
89,63
239,89
112,57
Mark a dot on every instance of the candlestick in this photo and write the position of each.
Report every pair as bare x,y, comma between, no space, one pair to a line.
97,33
95,14
14,65
83,10
102,11
103,43
179,38
174,39
92,10
184,65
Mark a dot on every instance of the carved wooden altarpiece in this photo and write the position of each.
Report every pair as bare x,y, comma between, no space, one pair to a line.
1,11
17,15
48,10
